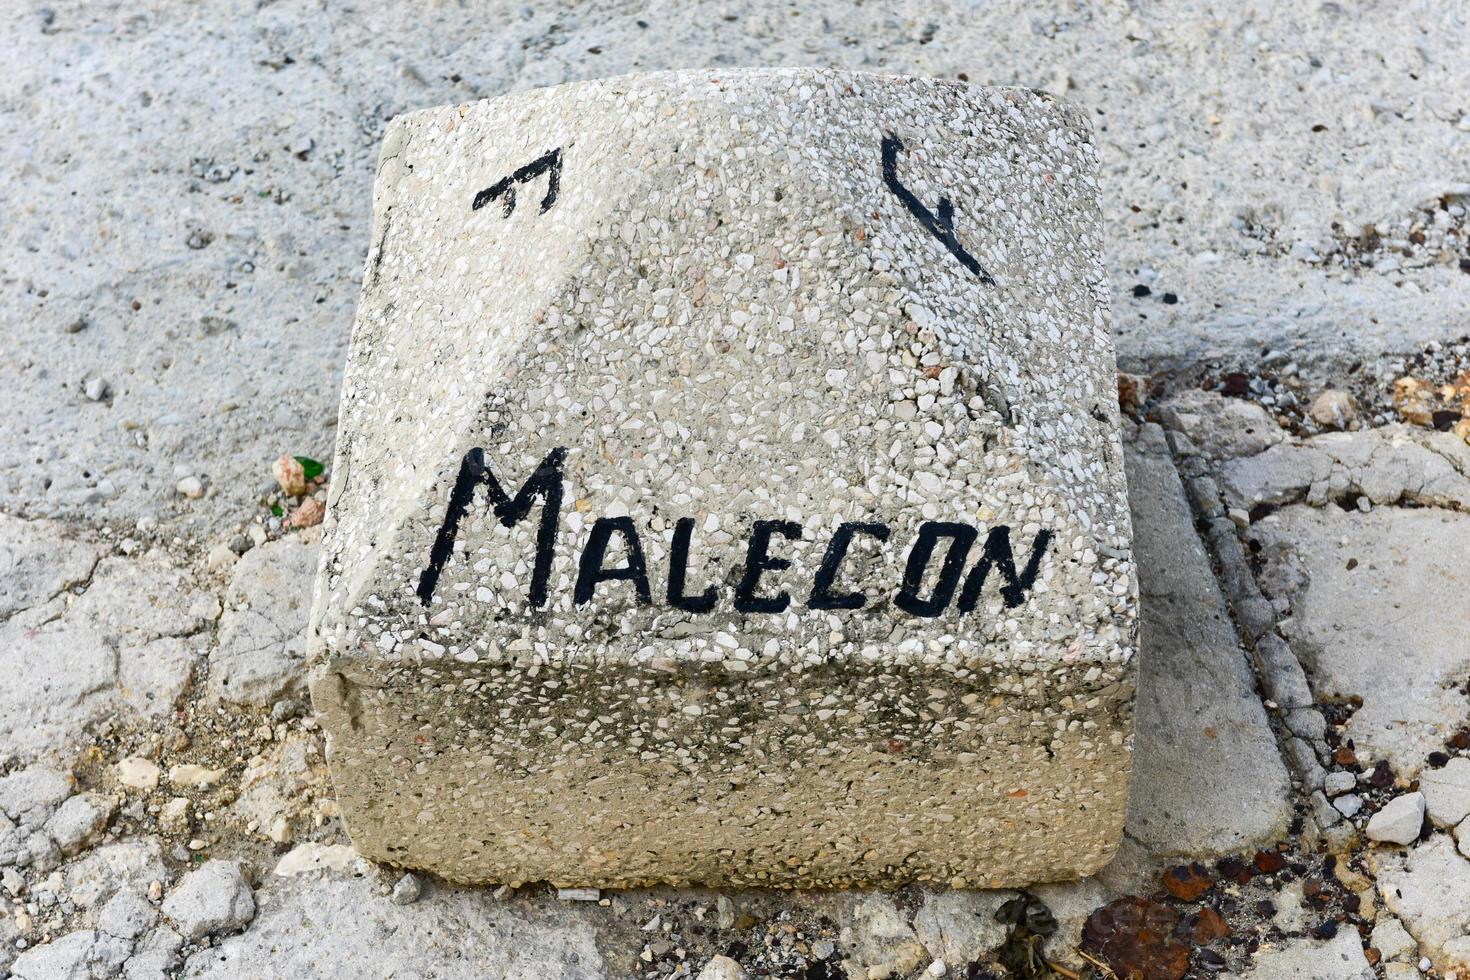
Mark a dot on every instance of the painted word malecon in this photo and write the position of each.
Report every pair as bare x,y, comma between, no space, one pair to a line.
760,589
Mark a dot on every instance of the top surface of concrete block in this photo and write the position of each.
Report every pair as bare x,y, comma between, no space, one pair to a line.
728,489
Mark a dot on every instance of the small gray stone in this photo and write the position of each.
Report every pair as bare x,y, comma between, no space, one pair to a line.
1207,773
191,487
1400,820
127,915
155,957
80,822
305,922
406,890
1348,608
1427,888
1339,782
879,942
66,958
1348,805
216,898
1326,814
578,894
1279,475
1290,913
41,853
101,873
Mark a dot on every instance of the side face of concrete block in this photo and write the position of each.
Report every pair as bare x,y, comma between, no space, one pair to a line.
728,490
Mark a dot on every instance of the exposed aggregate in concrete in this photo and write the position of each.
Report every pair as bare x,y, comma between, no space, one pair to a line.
678,236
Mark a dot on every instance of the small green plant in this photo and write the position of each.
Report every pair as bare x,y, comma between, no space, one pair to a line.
310,468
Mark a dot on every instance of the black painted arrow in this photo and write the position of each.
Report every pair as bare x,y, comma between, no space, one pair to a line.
940,225
505,187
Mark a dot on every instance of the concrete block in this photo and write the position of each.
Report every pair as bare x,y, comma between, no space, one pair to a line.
728,490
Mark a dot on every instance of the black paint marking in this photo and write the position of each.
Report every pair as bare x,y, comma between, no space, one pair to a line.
941,226
505,187
545,483
822,597
998,555
546,486
679,570
961,537
590,570
758,561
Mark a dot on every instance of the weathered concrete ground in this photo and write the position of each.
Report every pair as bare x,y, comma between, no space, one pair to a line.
1286,188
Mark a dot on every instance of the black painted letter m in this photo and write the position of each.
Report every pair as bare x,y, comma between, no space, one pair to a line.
544,483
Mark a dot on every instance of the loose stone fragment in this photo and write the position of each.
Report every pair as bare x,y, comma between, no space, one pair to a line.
216,898
578,894
262,632
1333,409
80,821
127,915
137,773
192,775
315,857
406,890
731,459
1400,820
290,475
1309,959
722,968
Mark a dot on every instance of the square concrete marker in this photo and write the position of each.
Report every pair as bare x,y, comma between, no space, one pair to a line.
728,490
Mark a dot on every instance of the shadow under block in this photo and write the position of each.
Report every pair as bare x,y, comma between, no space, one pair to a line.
728,489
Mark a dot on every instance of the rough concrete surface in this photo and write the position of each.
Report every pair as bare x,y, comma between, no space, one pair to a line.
707,711
170,221
308,922
1340,958
1403,652
1209,777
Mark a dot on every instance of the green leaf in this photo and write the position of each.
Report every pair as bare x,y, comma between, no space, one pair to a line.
276,510
310,467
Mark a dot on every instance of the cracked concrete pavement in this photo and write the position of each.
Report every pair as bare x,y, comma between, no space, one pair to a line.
109,800
1285,192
